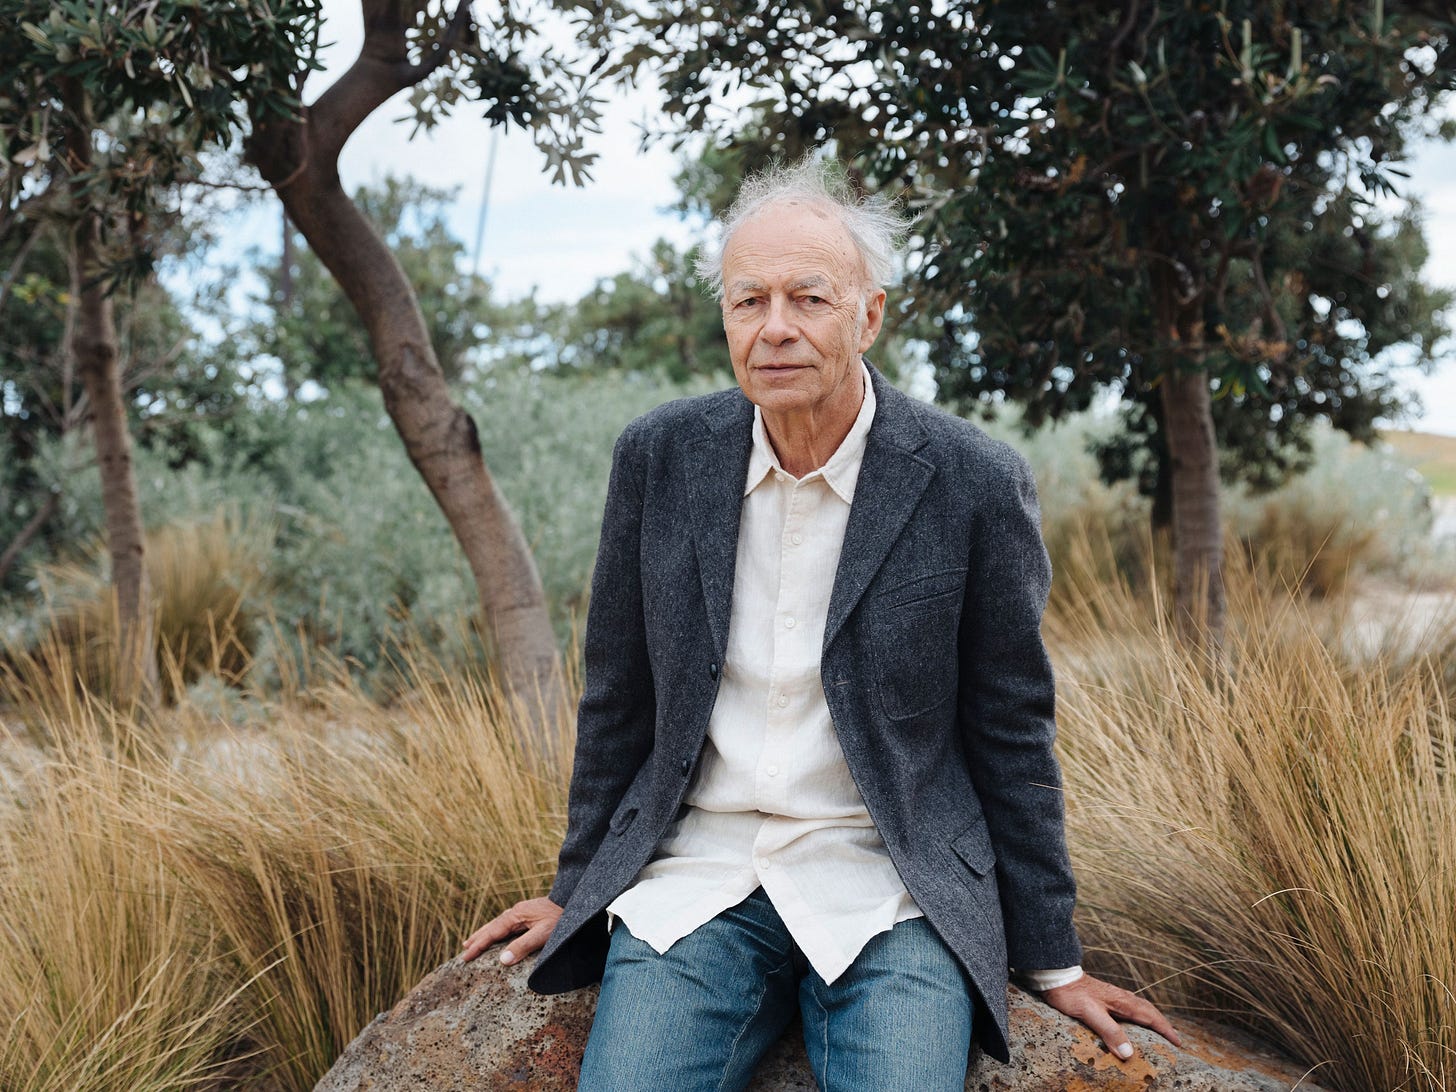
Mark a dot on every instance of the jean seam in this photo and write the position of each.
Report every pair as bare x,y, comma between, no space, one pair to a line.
823,1077
743,1029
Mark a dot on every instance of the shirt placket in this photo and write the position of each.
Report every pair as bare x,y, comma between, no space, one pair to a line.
791,631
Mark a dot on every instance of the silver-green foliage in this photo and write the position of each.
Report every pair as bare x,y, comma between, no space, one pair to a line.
363,558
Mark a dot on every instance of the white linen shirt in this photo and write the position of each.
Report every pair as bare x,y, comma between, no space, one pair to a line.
772,803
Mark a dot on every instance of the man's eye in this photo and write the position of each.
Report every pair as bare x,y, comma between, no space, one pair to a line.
813,300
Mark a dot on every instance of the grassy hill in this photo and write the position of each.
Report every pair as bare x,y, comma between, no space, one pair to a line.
1434,456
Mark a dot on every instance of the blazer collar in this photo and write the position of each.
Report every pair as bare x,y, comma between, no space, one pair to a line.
892,478
716,463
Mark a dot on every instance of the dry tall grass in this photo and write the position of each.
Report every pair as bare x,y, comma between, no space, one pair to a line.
204,574
227,903
109,979
229,908
1272,839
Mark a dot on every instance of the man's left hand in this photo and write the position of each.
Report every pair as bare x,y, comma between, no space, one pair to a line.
1100,1004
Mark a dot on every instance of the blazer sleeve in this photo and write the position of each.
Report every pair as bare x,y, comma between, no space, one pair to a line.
615,721
1007,712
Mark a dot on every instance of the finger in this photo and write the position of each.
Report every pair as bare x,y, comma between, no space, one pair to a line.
492,932
532,940
1109,1030
1149,1017
1139,1010
479,941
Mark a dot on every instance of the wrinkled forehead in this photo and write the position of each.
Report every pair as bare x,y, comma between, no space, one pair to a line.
793,238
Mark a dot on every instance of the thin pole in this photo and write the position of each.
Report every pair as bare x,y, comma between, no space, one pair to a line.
485,199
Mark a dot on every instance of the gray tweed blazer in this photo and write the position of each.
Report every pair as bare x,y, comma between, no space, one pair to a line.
933,666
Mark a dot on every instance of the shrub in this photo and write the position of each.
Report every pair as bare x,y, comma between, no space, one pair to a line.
361,557
208,580
1355,510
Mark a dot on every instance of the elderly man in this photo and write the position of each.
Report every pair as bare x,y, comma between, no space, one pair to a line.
814,766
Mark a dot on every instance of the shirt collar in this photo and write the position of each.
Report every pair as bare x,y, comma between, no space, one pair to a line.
841,472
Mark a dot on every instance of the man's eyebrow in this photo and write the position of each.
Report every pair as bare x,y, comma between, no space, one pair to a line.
739,287
818,280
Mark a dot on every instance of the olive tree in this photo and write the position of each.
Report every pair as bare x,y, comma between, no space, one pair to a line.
105,109
108,107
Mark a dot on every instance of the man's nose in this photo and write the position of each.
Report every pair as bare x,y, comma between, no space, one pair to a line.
778,326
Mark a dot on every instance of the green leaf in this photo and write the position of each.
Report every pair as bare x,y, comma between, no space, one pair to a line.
1272,147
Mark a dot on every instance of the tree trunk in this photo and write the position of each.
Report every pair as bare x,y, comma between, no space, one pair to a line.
299,158
98,361
1197,529
94,347
1187,422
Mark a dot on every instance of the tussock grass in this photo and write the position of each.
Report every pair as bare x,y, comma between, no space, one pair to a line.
205,574
344,860
1272,839
222,892
109,980
1313,549
200,905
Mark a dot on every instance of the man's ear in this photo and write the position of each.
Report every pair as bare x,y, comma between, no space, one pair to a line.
874,318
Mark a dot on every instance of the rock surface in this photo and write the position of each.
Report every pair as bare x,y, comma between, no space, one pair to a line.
477,1027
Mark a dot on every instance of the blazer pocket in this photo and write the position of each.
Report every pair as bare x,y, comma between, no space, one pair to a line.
622,818
922,589
973,847
914,629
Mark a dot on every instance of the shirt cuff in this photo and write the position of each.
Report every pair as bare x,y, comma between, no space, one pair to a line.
1041,981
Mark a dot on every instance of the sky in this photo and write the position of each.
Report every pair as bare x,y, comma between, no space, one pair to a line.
558,240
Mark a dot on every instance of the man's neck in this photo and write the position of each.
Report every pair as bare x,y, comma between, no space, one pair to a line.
805,442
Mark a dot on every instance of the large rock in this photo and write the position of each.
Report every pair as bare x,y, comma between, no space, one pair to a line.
476,1027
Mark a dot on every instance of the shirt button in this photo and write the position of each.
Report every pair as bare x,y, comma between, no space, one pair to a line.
763,863
772,771
796,538
789,622
781,476
783,700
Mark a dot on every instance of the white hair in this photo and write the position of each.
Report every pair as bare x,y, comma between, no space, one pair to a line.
874,223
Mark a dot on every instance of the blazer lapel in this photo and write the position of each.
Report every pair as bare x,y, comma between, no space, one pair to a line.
891,479
717,466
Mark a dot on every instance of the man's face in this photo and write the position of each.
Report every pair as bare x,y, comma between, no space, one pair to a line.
798,312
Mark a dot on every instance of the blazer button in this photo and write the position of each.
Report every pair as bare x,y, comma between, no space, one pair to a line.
687,766
713,670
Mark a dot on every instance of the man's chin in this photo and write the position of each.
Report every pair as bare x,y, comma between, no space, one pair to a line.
780,399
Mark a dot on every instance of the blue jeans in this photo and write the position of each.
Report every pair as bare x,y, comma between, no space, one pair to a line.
699,1017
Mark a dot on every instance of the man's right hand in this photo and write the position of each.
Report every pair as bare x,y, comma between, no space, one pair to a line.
533,918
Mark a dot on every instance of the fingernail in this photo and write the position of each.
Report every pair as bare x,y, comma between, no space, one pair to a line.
507,956
1124,1051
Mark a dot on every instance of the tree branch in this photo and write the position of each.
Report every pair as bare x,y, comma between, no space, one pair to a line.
207,184
13,273
1271,311
1121,36
28,532
380,72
